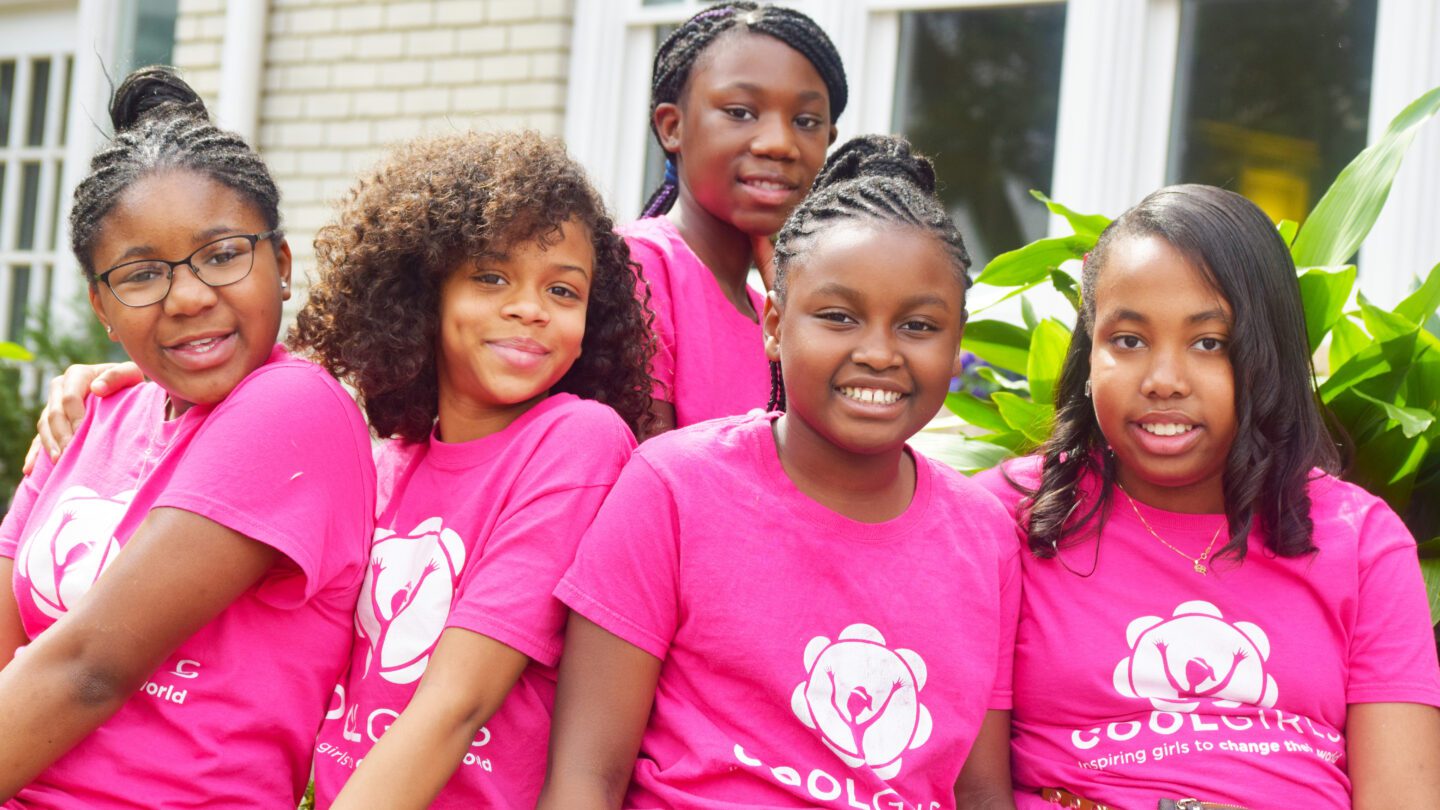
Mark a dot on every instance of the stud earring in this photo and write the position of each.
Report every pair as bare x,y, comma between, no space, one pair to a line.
1087,388
109,330
284,285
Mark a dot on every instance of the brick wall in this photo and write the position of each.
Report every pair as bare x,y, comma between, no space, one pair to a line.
345,78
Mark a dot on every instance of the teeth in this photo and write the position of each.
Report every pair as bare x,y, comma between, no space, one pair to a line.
769,185
872,395
1166,429
202,345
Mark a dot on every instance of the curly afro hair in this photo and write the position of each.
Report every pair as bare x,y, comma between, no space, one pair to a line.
373,315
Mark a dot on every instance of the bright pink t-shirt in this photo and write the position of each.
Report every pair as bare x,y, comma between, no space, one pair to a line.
808,659
709,358
474,535
1146,680
229,719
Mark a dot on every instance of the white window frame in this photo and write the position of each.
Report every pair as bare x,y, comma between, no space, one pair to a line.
1114,121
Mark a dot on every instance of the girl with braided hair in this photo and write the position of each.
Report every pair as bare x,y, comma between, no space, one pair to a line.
183,578
795,609
1232,622
743,101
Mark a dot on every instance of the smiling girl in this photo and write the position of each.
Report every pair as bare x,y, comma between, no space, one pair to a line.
743,101
795,609
183,578
1231,623
475,294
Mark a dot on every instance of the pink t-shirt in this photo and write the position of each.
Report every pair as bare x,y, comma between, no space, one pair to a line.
474,535
709,358
1146,680
808,659
229,719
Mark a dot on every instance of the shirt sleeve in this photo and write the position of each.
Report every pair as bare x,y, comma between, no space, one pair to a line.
1392,649
1002,694
656,278
507,592
626,572
283,461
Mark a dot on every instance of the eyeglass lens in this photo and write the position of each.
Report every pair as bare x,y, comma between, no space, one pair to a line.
217,264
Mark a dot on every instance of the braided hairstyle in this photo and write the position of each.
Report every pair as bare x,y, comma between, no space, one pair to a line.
682,49
161,124
1280,429
876,178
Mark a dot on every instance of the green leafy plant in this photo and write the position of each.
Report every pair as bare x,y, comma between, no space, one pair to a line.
1383,377
48,353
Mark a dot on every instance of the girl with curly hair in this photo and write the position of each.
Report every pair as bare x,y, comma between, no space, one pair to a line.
474,293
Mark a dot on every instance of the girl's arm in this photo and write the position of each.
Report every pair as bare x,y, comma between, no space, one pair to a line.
984,782
177,573
65,407
1394,755
12,632
466,680
602,705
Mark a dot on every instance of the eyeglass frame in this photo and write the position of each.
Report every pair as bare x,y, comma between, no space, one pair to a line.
254,238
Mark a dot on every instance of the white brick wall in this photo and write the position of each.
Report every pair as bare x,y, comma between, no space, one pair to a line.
343,79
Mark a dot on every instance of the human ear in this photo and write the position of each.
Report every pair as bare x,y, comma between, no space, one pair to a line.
282,264
667,125
100,312
834,133
770,325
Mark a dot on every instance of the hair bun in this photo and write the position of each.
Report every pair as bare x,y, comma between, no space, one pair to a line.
877,156
149,88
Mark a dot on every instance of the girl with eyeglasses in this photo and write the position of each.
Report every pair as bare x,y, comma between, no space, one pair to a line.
183,578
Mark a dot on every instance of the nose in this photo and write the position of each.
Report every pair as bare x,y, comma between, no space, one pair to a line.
1166,376
775,138
188,294
876,349
525,306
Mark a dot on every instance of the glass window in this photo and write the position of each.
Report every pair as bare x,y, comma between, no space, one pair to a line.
978,90
29,206
39,100
1272,97
19,300
7,97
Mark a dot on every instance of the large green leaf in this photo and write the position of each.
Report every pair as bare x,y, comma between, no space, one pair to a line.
1033,262
1288,228
968,456
1047,354
1411,421
1068,287
14,351
1323,292
1084,224
975,411
1344,216
1420,306
1389,359
1346,340
998,343
1430,570
1030,418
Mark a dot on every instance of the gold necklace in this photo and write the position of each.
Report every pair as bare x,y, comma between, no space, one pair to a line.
1199,562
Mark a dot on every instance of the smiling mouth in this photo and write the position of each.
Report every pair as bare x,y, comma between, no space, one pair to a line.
769,185
200,346
871,396
1166,428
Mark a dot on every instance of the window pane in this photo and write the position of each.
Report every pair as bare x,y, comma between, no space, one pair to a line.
55,201
155,32
65,100
1272,97
978,91
39,99
7,99
19,301
29,206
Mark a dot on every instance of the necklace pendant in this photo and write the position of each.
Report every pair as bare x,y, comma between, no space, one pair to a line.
1200,568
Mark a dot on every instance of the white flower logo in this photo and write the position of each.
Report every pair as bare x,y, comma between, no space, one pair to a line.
406,597
70,550
864,698
1195,656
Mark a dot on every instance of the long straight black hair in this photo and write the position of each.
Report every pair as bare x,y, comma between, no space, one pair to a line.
1281,434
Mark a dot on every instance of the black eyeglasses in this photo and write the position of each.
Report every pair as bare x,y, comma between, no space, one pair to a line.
217,264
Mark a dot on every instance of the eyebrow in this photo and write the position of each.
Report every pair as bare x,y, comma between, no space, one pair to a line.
201,238
1216,314
751,87
855,296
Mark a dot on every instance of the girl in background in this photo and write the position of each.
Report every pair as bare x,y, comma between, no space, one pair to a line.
743,101
184,577
1229,621
474,293
794,609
